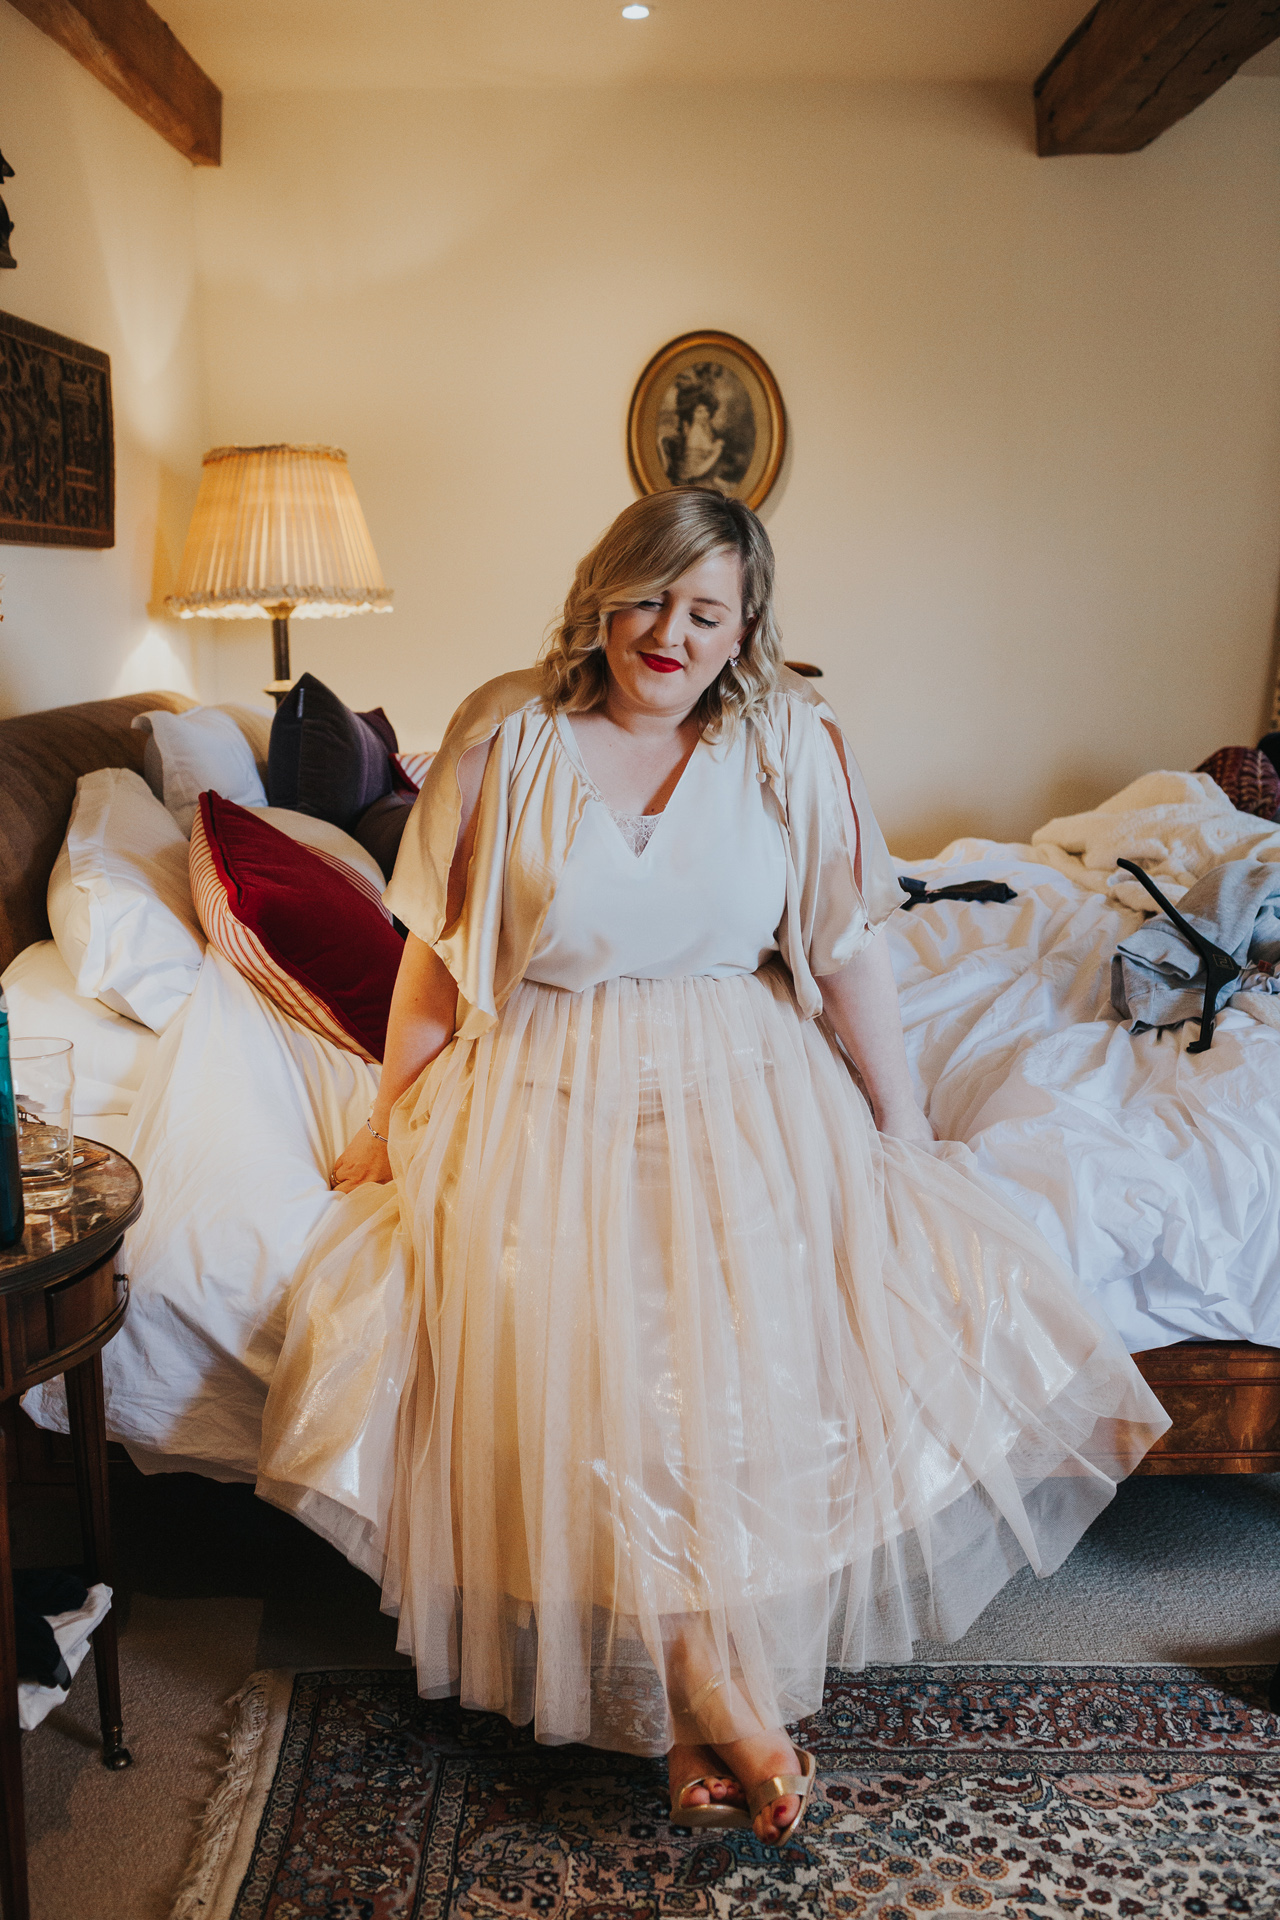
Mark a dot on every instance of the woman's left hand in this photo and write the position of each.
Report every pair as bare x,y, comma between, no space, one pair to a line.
905,1121
861,1002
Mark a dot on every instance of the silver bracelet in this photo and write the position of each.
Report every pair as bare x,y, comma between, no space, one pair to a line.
374,1131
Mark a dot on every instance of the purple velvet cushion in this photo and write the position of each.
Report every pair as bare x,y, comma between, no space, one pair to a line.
324,759
379,831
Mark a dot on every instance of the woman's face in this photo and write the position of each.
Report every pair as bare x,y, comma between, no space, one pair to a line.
664,653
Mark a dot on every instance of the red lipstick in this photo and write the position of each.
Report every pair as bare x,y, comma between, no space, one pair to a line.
661,662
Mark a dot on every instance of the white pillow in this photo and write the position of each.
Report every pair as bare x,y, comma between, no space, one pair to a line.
120,900
255,724
111,1054
202,751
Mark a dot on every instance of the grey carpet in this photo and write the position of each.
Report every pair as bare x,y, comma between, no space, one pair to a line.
113,1846
212,1584
1184,1569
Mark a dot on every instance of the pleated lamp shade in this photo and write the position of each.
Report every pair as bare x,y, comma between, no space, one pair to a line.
277,531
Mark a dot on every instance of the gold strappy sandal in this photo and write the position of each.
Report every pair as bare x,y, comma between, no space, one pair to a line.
714,1814
779,1786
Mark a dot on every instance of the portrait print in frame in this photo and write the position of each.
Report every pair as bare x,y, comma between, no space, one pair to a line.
707,412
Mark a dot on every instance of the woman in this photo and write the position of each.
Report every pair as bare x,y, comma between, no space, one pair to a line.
704,1364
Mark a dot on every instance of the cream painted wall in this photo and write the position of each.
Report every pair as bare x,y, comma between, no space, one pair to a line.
104,240
1029,524
1031,521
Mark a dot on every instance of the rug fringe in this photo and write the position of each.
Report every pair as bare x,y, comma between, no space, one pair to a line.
222,1814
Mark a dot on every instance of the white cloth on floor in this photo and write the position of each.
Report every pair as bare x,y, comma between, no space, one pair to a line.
658,1372
71,1631
1177,826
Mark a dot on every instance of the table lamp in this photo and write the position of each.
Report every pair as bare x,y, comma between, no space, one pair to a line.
277,531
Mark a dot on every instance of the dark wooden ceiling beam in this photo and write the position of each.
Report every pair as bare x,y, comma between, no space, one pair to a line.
1134,67
127,46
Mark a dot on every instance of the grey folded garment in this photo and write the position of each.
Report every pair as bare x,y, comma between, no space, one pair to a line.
1158,978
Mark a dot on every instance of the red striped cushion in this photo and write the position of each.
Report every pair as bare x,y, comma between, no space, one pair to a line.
413,766
305,928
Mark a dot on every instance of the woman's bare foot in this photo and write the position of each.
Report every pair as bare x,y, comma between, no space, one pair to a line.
756,1760
686,1763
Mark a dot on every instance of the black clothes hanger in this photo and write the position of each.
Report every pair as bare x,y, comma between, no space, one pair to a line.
1219,968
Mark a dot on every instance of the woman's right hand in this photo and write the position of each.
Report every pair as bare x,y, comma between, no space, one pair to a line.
420,1027
424,1005
363,1161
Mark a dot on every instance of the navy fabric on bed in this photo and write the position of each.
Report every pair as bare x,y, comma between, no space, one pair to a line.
324,759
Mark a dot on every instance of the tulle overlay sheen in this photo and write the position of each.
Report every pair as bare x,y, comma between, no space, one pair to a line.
659,1376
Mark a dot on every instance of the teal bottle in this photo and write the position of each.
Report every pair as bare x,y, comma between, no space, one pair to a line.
11,1215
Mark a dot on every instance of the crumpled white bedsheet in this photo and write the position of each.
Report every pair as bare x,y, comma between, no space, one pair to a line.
1177,826
1154,1173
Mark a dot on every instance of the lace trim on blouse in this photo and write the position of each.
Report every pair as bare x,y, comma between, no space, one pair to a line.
635,828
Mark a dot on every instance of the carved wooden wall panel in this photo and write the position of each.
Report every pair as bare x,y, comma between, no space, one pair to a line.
57,452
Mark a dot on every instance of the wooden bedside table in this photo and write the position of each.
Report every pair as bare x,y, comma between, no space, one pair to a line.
61,1300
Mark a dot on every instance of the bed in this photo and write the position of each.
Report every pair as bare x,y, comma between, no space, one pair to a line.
1155,1173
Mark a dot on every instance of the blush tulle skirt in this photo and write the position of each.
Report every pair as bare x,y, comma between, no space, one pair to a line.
659,1380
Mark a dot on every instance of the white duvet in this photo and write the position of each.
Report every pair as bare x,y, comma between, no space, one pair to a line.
1177,826
234,1132
1155,1173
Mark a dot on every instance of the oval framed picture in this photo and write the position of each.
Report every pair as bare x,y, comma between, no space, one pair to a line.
707,412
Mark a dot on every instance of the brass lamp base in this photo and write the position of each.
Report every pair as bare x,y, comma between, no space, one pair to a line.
278,687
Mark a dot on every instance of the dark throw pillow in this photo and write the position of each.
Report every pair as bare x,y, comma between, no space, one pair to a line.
324,759
381,829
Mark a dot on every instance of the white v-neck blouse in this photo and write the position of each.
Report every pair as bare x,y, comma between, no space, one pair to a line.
550,869
705,897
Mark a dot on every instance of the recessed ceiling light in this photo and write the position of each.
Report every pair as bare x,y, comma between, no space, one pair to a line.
635,13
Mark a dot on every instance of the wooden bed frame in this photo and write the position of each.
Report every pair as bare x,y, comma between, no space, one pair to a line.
1223,1395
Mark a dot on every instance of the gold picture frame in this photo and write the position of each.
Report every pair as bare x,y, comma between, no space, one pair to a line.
707,412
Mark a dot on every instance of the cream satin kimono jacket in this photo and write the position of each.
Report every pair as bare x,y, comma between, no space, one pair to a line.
840,884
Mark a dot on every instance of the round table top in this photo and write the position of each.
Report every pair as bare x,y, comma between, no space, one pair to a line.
106,1197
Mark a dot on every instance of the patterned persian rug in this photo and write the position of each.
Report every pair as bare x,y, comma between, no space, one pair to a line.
1025,1792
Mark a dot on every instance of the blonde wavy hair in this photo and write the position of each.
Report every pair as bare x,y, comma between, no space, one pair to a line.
650,544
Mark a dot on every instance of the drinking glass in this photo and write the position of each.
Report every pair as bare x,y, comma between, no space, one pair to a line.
44,1092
